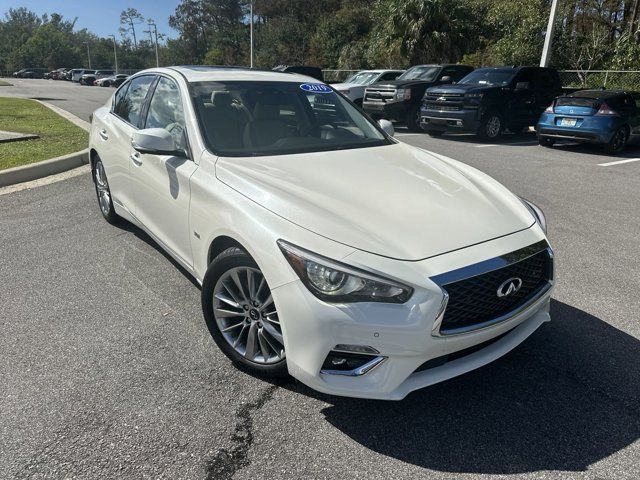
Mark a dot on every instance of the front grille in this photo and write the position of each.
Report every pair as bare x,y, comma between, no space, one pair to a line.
443,108
474,301
377,94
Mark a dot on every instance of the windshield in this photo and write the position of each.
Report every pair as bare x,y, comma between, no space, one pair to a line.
489,76
277,118
362,78
420,72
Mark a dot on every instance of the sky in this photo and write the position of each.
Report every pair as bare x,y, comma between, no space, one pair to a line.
101,17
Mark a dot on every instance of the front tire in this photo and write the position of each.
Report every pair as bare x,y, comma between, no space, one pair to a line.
103,192
241,316
490,126
413,119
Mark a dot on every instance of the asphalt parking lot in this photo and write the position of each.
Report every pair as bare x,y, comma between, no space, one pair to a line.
107,369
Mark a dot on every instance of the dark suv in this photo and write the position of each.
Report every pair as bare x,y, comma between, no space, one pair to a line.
400,99
490,100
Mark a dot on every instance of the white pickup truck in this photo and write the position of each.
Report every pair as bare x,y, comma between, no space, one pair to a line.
353,87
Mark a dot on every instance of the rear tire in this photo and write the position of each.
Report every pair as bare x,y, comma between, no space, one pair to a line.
618,142
103,192
491,126
413,119
545,142
241,316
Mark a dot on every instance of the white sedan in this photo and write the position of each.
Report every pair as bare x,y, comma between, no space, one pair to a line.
353,87
325,248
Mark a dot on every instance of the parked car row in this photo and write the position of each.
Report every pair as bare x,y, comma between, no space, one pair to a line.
83,76
489,101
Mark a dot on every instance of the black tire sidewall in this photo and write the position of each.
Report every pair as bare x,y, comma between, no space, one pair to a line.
610,146
231,258
411,119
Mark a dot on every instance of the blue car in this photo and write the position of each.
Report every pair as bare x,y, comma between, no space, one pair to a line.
607,117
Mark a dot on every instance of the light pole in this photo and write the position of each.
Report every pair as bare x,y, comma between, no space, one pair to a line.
151,23
548,39
115,53
251,35
88,54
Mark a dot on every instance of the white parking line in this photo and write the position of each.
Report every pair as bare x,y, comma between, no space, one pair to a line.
484,145
619,162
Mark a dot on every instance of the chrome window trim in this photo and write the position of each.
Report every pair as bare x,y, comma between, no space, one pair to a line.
481,268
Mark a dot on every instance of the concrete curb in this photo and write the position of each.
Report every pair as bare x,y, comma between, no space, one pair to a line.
26,173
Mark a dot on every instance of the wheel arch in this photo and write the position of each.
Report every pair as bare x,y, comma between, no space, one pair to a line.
220,244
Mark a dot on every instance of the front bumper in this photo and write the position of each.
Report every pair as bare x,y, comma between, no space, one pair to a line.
402,334
388,110
457,120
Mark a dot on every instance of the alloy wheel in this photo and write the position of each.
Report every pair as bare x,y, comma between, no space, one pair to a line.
493,126
246,315
102,187
618,141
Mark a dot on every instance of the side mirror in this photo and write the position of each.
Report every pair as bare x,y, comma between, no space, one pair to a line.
387,127
445,79
156,141
522,86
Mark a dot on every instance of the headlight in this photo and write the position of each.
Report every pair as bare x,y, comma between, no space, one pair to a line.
473,95
537,213
403,94
336,282
345,92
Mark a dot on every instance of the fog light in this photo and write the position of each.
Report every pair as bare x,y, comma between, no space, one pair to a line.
350,364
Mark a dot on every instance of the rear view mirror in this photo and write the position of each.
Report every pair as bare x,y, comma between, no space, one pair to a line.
387,127
445,79
522,86
156,141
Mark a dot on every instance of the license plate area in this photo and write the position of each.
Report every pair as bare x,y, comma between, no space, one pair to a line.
568,122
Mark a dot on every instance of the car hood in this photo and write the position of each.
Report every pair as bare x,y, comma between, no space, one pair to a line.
401,83
397,201
343,86
464,88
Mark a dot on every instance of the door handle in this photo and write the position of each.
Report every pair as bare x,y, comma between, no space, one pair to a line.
103,134
135,158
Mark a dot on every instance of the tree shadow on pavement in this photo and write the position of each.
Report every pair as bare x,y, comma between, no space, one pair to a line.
563,400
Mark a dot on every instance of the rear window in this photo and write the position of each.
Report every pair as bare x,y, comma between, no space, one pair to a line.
577,102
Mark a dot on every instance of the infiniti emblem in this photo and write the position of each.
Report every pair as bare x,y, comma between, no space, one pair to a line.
509,287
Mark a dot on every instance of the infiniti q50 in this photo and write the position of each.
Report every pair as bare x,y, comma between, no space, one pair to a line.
325,248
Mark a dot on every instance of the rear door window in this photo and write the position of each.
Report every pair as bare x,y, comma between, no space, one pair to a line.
130,106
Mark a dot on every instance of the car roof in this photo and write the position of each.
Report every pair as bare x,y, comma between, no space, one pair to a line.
596,93
204,73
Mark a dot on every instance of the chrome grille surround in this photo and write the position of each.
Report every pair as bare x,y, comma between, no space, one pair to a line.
483,271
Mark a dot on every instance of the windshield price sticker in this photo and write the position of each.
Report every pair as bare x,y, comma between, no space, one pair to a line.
315,88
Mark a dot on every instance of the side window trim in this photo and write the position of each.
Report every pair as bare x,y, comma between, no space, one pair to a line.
142,122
